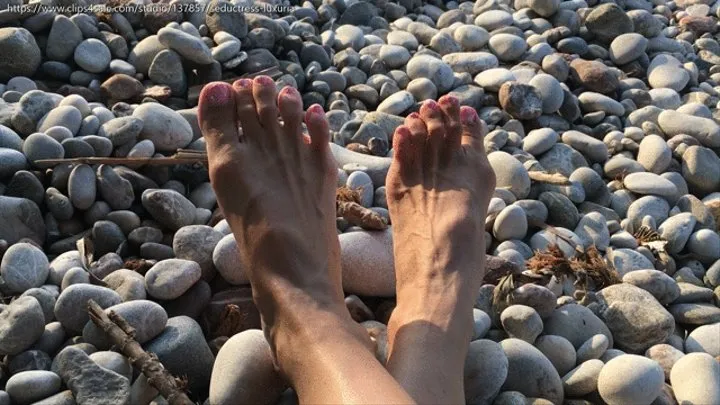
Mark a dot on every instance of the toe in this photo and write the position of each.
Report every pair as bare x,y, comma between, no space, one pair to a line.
246,112
265,93
318,127
290,106
451,114
407,155
431,113
217,117
473,129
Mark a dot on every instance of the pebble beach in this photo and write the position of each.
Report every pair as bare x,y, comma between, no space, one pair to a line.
602,236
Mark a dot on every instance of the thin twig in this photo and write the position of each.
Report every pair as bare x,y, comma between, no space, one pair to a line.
121,334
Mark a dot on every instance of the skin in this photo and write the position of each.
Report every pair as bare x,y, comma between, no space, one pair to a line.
438,189
276,188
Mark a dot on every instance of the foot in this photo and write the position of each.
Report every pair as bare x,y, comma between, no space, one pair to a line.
438,189
276,187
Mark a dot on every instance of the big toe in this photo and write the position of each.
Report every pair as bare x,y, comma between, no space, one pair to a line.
217,116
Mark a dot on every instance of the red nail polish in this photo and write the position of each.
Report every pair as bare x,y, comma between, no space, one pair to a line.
288,91
244,83
217,93
432,105
265,80
468,115
449,100
414,115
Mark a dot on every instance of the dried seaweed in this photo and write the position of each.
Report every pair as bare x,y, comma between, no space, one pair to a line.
587,267
231,321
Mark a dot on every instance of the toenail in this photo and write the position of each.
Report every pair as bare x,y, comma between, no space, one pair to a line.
289,91
316,110
264,80
432,106
414,116
244,83
468,115
217,93
449,100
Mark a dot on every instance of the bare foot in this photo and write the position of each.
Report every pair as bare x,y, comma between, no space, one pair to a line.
276,188
438,190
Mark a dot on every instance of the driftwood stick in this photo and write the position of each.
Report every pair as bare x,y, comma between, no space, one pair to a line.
550,178
121,334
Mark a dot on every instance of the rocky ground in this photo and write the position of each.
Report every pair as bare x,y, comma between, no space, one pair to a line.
604,138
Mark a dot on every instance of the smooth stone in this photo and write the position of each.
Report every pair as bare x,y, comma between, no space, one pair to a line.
511,223
656,207
521,322
650,183
594,149
703,129
583,379
627,47
530,372
397,103
428,67
636,319
20,218
559,351
665,355
21,324
694,379
486,368
577,324
169,279
77,296
27,56
507,47
115,190
46,297
630,379
705,245
90,383
166,69
113,361
128,284
362,183
197,243
510,173
705,338
40,146
226,258
677,230
170,208
550,91
82,187
593,348
244,372
539,141
561,211
23,266
654,154
563,159
190,47
368,274
63,116
92,55
470,62
167,129
535,296
592,230
31,386
492,79
563,238
182,349
522,101
146,317
701,169
695,313
657,283
122,130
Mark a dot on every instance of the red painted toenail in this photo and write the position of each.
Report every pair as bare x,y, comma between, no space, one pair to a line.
449,100
288,91
316,110
244,83
265,80
217,94
414,115
432,106
468,115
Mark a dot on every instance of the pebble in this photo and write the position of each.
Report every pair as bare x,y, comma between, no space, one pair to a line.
657,283
486,368
31,386
182,349
530,372
577,324
583,379
521,322
665,355
511,223
559,351
510,173
167,129
23,266
226,259
169,279
169,208
76,296
694,379
244,372
22,325
593,348
630,379
89,382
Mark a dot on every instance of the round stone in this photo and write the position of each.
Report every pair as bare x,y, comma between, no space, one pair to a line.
486,368
226,258
23,266
694,379
169,279
167,129
92,55
26,55
31,386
